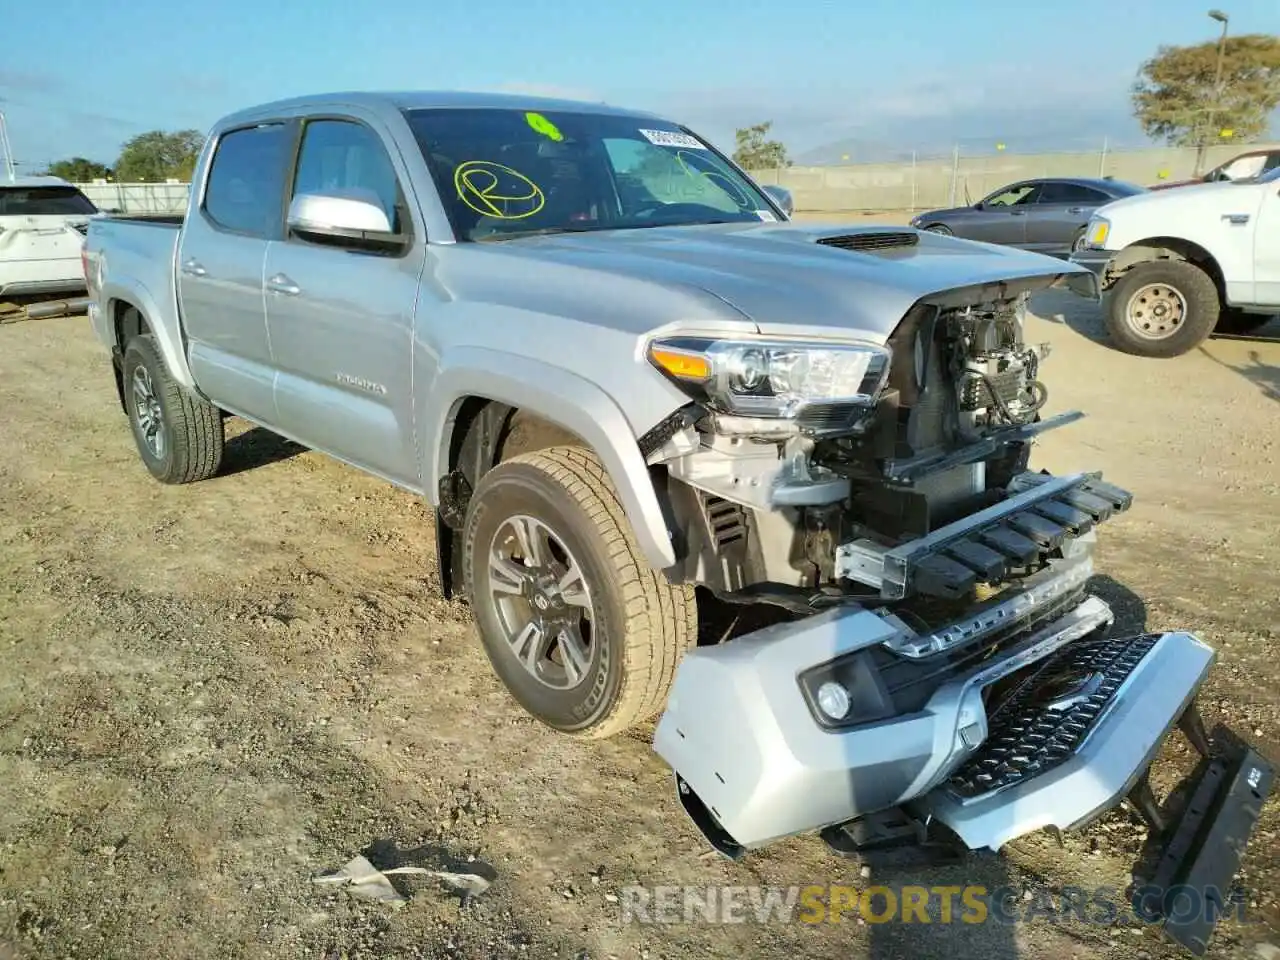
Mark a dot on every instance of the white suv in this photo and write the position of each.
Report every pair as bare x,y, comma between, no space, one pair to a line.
1178,264
42,226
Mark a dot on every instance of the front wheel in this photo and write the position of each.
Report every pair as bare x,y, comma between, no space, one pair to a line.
179,435
583,633
1162,308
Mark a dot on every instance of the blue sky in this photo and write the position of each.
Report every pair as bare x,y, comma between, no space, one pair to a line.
80,77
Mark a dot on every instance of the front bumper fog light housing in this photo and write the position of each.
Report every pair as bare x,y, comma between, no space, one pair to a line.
833,700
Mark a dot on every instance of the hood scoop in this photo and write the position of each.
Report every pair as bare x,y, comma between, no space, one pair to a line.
873,240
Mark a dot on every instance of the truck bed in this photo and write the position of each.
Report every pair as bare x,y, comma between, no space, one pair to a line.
133,257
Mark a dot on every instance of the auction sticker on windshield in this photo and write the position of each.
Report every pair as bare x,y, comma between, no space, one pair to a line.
670,138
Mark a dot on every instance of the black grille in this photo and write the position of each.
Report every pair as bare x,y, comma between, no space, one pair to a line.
877,240
1028,735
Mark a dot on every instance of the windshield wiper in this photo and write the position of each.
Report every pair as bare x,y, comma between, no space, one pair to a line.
541,231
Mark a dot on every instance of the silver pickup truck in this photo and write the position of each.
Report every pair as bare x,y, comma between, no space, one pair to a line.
632,390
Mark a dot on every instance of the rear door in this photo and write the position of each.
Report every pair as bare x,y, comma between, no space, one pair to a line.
340,315
1062,210
220,261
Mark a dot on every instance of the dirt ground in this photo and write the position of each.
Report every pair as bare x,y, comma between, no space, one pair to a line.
211,694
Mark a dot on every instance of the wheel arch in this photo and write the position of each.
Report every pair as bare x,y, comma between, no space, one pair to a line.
486,406
119,300
1154,249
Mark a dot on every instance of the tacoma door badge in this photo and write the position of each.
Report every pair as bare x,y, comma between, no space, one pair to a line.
368,386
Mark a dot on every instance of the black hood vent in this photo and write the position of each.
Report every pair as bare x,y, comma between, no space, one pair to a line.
877,240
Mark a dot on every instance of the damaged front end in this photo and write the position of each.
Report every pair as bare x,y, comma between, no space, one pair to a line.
947,664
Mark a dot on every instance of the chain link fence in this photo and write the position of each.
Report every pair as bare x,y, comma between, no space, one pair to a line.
925,183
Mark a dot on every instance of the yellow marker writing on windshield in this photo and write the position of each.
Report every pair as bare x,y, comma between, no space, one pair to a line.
544,126
497,191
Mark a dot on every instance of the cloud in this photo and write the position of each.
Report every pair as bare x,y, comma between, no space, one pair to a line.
198,84
553,90
998,102
31,82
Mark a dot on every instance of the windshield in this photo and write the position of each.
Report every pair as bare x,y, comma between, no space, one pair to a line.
44,202
506,173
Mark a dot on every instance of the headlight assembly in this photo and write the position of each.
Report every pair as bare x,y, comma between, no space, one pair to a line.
811,382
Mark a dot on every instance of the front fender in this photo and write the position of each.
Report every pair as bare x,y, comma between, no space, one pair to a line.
556,395
162,327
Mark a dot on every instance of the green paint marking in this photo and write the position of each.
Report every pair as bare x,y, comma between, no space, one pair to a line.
543,126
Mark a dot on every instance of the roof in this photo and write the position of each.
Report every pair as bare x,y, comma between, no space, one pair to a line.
426,99
34,182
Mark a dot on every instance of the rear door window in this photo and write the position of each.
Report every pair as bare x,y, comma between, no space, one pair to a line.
245,191
44,202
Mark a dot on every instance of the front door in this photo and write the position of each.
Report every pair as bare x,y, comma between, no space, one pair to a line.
341,316
1001,217
224,242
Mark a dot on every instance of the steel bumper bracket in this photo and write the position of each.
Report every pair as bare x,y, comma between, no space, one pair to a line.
1201,852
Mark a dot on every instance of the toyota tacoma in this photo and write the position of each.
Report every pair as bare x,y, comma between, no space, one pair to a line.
631,388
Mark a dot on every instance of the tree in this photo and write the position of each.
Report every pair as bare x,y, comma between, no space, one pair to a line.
79,170
1176,97
158,155
754,152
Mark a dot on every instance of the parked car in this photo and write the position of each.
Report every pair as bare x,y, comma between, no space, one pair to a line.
1246,166
1047,214
1178,265
42,226
611,397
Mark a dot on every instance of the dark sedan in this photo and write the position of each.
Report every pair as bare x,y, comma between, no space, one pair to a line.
1047,214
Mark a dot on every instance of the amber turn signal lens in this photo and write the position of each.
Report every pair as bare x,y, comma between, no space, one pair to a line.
678,363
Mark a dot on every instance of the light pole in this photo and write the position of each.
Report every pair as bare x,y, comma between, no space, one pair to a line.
1223,19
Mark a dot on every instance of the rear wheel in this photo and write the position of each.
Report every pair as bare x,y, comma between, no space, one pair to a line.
1077,242
179,435
583,633
1163,308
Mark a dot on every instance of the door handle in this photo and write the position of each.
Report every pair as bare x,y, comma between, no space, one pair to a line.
192,268
1017,213
282,284
1075,209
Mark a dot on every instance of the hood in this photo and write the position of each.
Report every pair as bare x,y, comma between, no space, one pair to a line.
1192,193
799,279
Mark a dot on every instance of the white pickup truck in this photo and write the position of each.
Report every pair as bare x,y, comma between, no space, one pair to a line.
1177,265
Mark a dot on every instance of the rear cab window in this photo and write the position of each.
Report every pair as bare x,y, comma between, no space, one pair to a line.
52,201
245,190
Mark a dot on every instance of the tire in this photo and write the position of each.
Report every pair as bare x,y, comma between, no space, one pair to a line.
1077,242
1163,308
1239,322
637,624
939,228
189,428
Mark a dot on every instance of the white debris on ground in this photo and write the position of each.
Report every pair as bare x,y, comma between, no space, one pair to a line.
362,879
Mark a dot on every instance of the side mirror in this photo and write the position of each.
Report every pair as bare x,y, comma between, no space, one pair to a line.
342,215
782,197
